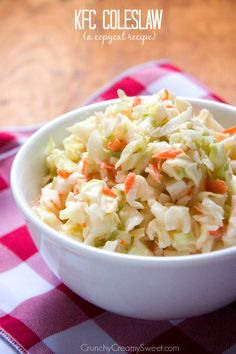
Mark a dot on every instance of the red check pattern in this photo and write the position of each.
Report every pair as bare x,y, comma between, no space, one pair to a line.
39,314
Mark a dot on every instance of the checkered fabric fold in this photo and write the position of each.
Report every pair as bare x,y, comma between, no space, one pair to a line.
39,314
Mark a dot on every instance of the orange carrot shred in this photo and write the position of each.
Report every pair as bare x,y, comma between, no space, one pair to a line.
153,246
170,106
137,101
84,166
109,193
90,176
116,145
166,95
165,120
230,131
155,172
129,182
107,166
198,208
63,174
216,186
84,225
220,136
111,171
122,242
54,204
76,189
218,233
186,192
168,154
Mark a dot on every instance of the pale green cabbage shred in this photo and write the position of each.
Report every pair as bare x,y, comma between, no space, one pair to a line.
145,177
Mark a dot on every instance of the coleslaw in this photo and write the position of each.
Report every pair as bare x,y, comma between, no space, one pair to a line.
147,177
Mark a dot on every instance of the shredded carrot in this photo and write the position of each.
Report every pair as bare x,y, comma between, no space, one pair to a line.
170,106
168,154
84,225
198,208
84,166
186,148
108,192
90,176
55,204
137,101
76,189
164,120
63,174
218,233
230,131
129,182
165,96
220,136
111,171
155,172
116,145
187,191
122,242
107,166
216,186
152,246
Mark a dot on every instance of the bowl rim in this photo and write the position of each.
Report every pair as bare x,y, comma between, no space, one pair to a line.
73,244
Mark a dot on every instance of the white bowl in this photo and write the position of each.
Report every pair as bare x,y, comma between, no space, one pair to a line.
135,286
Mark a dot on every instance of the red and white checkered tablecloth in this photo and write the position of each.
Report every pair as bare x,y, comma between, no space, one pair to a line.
39,314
